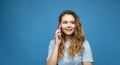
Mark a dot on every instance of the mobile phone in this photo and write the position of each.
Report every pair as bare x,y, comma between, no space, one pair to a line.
61,32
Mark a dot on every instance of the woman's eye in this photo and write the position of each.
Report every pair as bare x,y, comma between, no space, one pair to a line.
73,22
64,22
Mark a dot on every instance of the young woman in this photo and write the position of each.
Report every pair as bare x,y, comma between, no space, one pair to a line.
70,46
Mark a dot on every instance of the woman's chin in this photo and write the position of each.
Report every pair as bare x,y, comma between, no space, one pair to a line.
68,34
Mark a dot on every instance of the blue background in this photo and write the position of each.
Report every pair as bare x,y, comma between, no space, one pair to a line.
27,26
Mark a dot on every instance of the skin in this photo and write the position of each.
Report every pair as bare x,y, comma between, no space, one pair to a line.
68,27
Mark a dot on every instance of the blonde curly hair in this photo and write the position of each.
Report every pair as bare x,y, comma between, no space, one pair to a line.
78,37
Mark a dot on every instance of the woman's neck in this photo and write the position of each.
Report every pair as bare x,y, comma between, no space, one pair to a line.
68,38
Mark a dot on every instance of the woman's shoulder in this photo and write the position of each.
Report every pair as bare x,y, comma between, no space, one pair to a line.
86,43
52,42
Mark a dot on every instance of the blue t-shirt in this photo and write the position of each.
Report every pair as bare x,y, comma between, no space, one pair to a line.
85,56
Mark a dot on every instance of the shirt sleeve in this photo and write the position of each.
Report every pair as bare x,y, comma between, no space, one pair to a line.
87,53
50,48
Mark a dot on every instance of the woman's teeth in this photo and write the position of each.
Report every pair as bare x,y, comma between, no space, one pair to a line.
68,30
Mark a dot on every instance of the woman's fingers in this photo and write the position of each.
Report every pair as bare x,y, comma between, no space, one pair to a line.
58,31
58,35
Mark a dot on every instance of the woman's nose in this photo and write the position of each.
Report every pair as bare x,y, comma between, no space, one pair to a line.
68,25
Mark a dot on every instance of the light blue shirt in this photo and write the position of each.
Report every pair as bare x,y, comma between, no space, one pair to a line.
85,56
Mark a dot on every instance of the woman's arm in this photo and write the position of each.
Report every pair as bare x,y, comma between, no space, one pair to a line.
87,54
53,58
88,63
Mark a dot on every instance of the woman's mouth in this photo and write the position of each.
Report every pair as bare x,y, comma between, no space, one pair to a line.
68,30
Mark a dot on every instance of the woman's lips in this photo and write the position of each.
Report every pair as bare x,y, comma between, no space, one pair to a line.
68,30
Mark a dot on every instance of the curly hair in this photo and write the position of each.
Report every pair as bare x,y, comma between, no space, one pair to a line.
76,44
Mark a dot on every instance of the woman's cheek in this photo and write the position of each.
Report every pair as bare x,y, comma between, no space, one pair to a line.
63,26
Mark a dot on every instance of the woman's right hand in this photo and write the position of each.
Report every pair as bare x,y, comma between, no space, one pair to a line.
58,36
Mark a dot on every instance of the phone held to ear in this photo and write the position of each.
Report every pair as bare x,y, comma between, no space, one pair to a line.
59,37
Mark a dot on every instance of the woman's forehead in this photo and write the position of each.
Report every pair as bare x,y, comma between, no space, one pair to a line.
68,17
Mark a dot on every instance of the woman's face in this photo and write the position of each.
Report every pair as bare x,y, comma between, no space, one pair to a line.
68,24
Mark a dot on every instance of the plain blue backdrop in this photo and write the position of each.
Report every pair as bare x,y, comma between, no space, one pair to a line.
27,26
